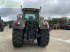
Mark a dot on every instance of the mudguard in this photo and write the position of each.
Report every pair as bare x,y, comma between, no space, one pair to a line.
20,26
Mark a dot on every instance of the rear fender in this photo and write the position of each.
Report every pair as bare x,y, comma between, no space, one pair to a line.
18,27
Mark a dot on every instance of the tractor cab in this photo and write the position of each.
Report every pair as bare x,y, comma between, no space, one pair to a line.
31,18
30,14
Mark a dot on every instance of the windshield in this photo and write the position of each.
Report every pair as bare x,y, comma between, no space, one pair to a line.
28,15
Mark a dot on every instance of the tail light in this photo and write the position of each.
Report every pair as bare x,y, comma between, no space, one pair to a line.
17,23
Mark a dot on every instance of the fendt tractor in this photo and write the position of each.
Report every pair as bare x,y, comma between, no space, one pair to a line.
1,24
28,27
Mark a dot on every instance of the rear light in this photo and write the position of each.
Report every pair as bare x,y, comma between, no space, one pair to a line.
17,23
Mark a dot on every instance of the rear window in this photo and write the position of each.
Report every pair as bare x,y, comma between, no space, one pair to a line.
28,15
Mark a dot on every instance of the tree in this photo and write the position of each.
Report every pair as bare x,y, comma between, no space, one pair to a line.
58,20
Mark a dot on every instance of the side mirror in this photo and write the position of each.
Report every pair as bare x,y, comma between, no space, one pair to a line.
21,7
40,8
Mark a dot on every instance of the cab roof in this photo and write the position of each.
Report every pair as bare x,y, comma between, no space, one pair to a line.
31,9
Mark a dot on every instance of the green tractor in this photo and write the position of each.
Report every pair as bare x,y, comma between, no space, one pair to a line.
27,26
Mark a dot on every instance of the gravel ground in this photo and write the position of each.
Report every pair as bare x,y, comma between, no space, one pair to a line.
59,42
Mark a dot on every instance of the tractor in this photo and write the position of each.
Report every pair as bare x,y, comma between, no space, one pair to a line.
28,26
10,24
1,24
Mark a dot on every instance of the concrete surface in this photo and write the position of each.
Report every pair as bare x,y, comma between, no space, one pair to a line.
59,42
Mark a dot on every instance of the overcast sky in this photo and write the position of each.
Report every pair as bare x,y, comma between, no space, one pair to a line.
9,9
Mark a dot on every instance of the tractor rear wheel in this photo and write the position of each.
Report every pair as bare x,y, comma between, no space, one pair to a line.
43,40
17,37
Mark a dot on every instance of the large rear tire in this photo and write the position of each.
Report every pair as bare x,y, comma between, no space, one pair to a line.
17,37
43,40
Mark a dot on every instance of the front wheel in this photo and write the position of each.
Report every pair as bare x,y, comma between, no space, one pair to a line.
43,40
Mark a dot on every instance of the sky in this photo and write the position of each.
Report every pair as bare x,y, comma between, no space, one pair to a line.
9,9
